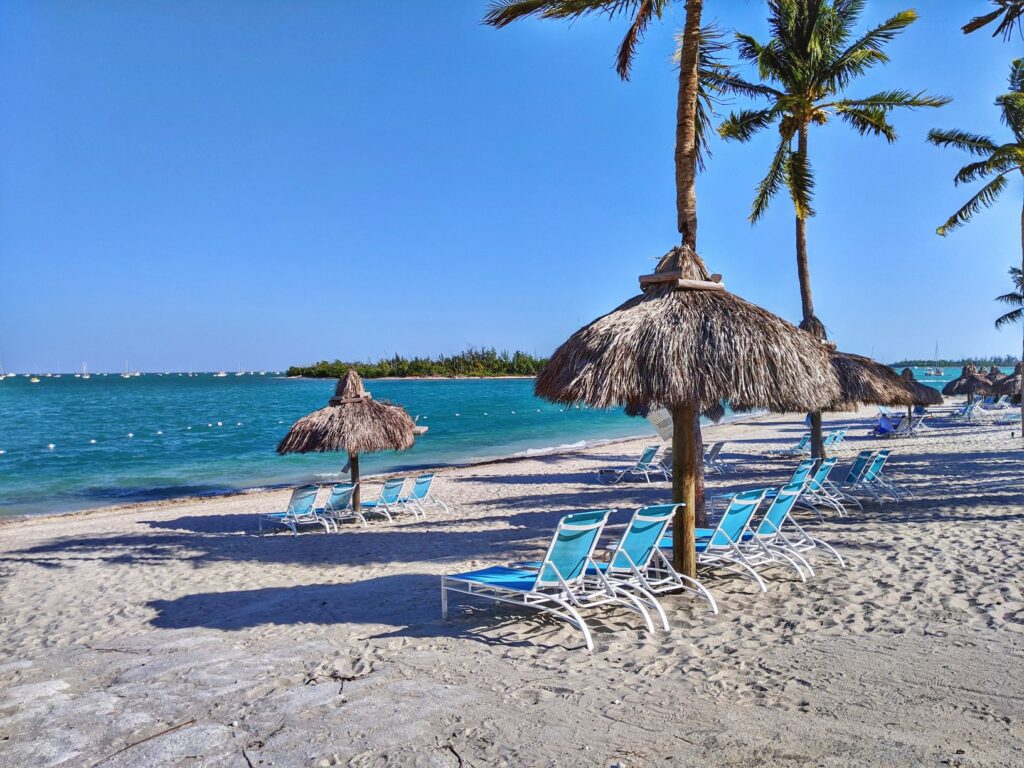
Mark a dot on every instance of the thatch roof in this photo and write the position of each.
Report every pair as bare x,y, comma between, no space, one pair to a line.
863,380
352,422
923,394
1011,385
968,384
685,340
995,375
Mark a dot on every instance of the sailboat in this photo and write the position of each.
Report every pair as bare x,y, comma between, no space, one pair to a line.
127,374
240,372
85,371
220,374
935,371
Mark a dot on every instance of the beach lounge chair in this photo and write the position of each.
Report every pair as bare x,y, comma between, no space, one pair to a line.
853,475
637,561
566,581
871,480
420,498
712,460
387,502
722,546
338,507
766,545
802,446
299,512
817,491
778,529
645,466
839,445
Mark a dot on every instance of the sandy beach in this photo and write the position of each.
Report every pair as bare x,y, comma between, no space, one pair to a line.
169,634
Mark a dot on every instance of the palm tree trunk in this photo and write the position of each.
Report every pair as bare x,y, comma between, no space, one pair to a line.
809,323
688,483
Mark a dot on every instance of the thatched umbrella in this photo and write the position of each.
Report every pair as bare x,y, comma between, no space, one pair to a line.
686,344
923,394
995,375
1011,385
352,422
863,380
969,383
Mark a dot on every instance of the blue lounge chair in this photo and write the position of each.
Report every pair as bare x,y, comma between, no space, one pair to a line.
339,505
802,447
873,482
766,545
779,530
818,493
420,498
646,466
299,512
713,461
387,502
722,546
637,561
564,583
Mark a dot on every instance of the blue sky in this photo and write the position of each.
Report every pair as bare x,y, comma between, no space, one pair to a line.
213,185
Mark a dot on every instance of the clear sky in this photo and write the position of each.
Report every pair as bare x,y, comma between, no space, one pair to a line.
237,183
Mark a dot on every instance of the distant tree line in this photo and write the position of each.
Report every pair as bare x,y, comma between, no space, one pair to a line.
1004,361
471,362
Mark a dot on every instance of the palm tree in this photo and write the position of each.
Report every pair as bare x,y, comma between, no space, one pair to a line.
692,102
805,67
1012,13
996,163
1014,298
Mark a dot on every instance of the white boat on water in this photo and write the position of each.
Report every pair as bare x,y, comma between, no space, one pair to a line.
220,375
85,372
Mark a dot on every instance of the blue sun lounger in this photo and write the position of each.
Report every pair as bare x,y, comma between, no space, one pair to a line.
566,581
299,512
420,498
339,505
645,467
388,500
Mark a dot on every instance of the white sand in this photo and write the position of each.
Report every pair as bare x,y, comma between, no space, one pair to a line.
328,649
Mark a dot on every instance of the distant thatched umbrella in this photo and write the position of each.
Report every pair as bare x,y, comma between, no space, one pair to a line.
995,375
969,382
685,343
1011,384
923,394
863,380
352,422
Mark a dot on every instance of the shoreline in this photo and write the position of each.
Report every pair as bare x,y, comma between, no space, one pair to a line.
519,456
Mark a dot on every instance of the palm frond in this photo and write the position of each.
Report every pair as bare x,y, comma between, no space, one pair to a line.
800,180
868,120
974,143
742,125
1005,158
890,100
1012,12
985,198
772,182
1013,316
866,51
646,11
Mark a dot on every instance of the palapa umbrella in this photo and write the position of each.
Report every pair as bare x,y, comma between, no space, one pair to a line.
969,382
1011,384
863,380
352,422
685,343
923,394
994,375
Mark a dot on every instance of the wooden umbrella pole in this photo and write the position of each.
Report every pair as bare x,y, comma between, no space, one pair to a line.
685,470
353,460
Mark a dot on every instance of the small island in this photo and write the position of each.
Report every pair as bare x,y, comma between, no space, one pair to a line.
1003,361
471,363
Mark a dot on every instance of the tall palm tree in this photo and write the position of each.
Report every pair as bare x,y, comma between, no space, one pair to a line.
1014,298
1010,13
689,135
805,67
997,160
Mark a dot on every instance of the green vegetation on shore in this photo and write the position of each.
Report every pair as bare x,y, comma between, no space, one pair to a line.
1004,361
471,362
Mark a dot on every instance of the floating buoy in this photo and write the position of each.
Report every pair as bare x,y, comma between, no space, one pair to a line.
51,446
209,424
2,451
456,414
238,423
220,424
188,427
131,434
159,431
93,441
485,413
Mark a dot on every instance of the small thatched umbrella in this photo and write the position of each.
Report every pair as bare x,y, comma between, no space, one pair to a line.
352,422
995,375
1011,384
686,344
863,380
969,383
923,394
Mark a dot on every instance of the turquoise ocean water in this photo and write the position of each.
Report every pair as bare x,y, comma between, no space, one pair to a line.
117,440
